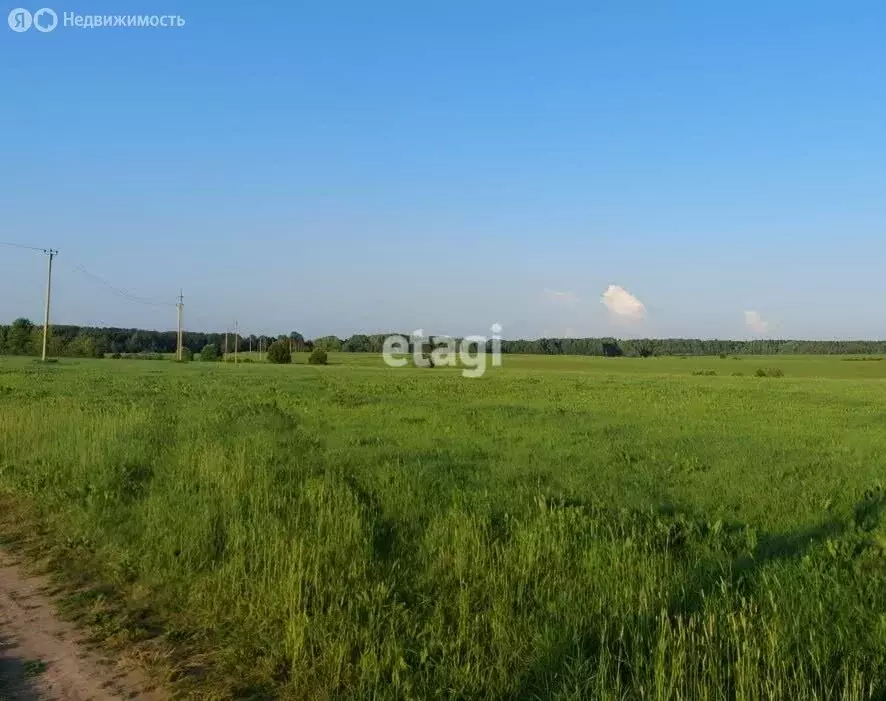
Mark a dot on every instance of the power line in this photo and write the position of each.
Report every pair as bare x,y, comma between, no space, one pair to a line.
51,253
19,245
123,293
81,269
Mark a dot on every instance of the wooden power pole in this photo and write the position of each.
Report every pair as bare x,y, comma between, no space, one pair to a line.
179,306
51,253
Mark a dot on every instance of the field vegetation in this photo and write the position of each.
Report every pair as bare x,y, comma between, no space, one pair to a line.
24,337
564,527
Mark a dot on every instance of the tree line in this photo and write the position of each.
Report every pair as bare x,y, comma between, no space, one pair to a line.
23,337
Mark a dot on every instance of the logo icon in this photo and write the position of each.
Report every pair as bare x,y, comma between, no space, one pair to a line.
20,20
45,20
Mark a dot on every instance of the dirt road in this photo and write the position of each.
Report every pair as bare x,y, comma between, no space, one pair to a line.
43,657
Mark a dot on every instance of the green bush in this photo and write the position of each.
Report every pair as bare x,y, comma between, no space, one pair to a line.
143,356
209,352
769,372
278,353
318,357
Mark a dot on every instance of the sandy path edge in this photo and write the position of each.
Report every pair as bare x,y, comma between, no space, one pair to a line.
44,657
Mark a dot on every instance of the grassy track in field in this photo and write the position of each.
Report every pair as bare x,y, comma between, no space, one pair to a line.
564,527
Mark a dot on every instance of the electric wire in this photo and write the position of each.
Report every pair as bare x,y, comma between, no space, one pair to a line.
20,245
122,293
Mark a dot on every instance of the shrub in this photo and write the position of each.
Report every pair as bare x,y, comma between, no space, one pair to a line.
209,352
278,353
770,372
705,373
318,357
722,356
116,356
143,356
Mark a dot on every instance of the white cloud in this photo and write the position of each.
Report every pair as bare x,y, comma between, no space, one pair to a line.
558,296
755,322
623,304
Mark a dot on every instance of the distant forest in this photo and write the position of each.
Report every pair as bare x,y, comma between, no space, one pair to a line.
23,337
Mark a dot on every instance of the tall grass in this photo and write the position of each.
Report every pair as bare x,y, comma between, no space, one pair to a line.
356,532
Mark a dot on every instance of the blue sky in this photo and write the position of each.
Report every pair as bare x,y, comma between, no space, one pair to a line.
340,167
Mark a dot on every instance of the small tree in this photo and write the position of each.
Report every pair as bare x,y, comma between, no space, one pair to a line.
645,349
330,343
18,338
209,352
318,357
278,352
187,355
358,343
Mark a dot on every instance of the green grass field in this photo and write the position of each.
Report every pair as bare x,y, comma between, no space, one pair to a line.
564,527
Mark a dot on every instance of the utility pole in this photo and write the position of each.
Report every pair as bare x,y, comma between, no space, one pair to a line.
51,253
225,356
180,306
236,341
